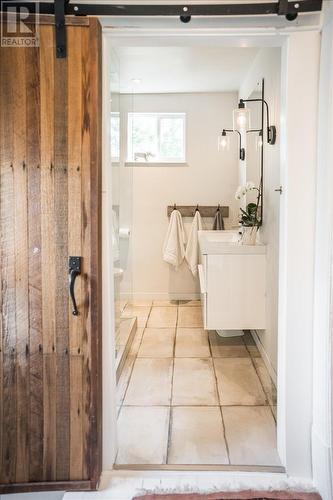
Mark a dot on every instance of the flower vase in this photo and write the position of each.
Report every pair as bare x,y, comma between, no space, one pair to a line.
249,236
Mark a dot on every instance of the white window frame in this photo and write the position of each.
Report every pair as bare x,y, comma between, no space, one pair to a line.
159,116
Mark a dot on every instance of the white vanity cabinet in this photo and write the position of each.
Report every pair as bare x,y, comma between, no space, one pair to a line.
233,285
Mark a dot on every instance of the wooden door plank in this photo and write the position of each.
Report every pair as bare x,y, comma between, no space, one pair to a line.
95,66
77,441
48,250
74,176
50,423
47,187
21,269
86,248
76,421
8,302
62,418
61,268
85,189
35,271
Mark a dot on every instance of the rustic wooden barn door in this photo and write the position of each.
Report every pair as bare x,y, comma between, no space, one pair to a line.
50,114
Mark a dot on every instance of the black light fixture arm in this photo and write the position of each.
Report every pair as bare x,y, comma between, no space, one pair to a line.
271,129
241,149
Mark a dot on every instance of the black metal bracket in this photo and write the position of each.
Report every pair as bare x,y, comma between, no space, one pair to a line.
283,10
60,28
283,7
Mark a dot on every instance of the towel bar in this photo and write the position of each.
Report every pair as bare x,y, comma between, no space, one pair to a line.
205,211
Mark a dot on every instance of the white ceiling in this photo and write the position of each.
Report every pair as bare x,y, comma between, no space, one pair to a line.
183,69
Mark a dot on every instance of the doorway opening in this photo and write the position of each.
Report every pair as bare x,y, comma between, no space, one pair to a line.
188,393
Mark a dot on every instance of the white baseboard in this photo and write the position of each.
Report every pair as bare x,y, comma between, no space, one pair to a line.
322,466
265,357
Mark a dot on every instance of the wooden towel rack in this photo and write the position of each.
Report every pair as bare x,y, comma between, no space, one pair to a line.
205,211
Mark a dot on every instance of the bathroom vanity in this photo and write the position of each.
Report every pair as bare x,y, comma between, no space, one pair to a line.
232,282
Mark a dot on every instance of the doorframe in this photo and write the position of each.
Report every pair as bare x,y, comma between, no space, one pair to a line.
294,333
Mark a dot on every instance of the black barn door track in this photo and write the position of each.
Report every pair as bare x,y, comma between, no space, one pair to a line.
62,8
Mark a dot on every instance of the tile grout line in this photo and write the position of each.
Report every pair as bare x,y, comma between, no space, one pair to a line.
219,399
169,434
172,377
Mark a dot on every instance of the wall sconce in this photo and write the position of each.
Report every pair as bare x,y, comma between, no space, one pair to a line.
271,129
241,117
259,141
223,142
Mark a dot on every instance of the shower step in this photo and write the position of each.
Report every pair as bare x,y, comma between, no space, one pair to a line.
127,330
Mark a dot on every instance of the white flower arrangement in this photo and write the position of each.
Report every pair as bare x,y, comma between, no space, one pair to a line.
249,216
242,190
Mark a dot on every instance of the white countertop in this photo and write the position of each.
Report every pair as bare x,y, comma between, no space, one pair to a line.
226,242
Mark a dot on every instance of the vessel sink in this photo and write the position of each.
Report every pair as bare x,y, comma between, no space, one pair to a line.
226,242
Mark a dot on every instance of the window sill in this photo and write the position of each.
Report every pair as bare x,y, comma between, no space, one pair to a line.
155,164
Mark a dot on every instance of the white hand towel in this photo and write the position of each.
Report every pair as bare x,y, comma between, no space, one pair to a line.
174,244
192,249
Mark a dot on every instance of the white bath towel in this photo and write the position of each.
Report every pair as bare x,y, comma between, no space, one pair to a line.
174,244
192,249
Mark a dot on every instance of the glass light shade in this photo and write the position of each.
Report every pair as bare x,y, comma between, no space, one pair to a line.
241,119
223,143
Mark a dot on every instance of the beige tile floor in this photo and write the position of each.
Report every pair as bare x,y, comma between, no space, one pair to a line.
186,396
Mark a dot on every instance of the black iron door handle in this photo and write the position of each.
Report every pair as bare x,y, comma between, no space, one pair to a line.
74,270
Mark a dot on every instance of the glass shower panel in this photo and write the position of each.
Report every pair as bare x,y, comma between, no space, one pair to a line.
121,222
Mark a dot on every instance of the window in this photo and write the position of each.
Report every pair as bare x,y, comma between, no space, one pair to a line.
115,136
156,137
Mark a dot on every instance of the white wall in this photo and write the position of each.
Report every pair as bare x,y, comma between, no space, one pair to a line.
323,284
208,178
300,63
267,65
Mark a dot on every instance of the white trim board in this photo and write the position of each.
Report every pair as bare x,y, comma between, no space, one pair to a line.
265,357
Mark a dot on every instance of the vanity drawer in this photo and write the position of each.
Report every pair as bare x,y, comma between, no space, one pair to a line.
235,292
